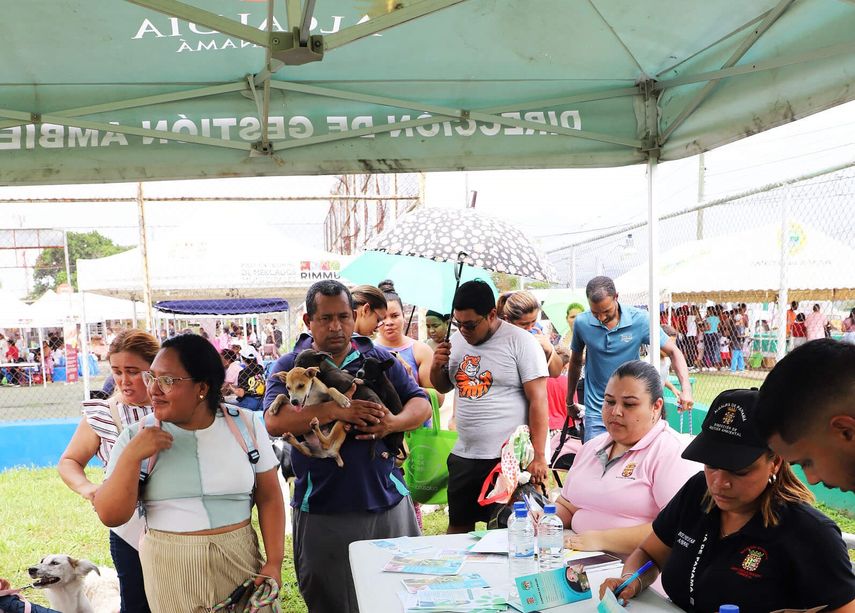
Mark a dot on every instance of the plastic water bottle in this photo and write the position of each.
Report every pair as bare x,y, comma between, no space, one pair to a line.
521,545
517,505
550,539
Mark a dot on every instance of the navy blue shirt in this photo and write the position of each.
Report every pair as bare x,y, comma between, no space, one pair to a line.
362,484
801,563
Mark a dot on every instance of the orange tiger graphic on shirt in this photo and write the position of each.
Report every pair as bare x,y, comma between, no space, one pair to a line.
470,384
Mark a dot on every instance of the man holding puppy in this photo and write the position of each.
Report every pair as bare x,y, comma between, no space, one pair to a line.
499,372
367,498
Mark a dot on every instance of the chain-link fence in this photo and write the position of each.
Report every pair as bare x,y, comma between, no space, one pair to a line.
743,280
246,263
365,205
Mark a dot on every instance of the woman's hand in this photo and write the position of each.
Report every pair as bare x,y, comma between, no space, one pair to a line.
585,541
270,569
630,591
87,491
148,442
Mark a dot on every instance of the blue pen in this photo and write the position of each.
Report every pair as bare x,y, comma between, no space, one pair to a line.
634,576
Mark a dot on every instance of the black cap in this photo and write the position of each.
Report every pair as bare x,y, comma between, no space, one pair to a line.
728,439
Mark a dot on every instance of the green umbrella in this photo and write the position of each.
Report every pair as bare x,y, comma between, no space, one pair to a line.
555,305
418,281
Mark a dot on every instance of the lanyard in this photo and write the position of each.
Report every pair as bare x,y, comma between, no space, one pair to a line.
695,568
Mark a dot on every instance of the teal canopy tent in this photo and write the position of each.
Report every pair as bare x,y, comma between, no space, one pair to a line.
109,90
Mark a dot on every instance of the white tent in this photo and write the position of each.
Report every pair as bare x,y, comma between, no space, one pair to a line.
54,309
14,313
747,266
264,264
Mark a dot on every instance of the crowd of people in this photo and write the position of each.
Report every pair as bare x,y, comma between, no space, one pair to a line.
723,517
719,338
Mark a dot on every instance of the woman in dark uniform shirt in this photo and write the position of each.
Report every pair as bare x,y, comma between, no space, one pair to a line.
743,532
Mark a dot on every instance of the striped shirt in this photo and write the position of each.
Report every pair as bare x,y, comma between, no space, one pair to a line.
97,414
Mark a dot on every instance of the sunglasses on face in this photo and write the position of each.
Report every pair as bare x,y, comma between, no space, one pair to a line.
468,325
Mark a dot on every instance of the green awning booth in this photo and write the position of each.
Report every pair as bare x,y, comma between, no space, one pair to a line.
110,90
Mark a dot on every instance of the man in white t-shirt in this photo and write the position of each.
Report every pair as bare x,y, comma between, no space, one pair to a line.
499,373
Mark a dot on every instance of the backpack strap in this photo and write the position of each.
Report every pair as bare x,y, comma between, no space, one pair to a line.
147,465
236,420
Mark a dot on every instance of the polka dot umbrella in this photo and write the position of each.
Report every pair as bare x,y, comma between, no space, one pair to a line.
466,237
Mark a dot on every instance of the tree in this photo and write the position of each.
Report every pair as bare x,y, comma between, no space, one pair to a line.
50,265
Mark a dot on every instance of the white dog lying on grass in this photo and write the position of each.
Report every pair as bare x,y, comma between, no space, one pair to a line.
72,587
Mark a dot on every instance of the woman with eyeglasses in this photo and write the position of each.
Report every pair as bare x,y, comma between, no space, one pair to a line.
522,309
210,468
131,353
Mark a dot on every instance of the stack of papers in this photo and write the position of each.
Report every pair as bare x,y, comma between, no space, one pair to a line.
474,600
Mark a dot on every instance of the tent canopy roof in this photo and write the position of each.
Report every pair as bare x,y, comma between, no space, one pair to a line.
154,89
242,306
704,270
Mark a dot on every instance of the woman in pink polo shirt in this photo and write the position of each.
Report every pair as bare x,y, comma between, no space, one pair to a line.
621,479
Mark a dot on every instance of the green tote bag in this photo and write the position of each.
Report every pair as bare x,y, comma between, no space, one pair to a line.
425,469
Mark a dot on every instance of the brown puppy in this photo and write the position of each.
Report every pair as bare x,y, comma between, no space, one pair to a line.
305,387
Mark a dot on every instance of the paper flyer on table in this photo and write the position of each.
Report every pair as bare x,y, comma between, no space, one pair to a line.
552,588
495,541
443,563
448,582
476,600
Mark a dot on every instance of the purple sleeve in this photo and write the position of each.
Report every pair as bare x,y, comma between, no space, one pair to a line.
274,386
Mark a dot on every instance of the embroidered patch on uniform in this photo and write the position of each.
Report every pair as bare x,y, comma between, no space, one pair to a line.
628,469
752,559
626,338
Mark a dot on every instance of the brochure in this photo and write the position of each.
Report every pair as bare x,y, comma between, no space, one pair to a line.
450,582
553,588
476,600
443,563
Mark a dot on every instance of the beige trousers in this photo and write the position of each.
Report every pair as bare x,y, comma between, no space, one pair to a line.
191,573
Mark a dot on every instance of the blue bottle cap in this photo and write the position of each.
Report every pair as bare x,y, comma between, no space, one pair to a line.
728,608
519,504
520,512
549,508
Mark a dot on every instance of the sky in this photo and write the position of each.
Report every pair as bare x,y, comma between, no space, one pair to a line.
554,208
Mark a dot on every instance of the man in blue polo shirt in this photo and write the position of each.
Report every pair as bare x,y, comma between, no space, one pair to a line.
610,334
367,498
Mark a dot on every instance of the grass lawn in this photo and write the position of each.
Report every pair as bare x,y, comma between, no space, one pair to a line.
40,516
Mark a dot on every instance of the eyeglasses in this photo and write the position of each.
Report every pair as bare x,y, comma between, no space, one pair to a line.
468,325
164,382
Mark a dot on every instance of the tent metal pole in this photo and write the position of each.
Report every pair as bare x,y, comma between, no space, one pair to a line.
42,354
149,319
783,297
573,267
84,346
653,262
